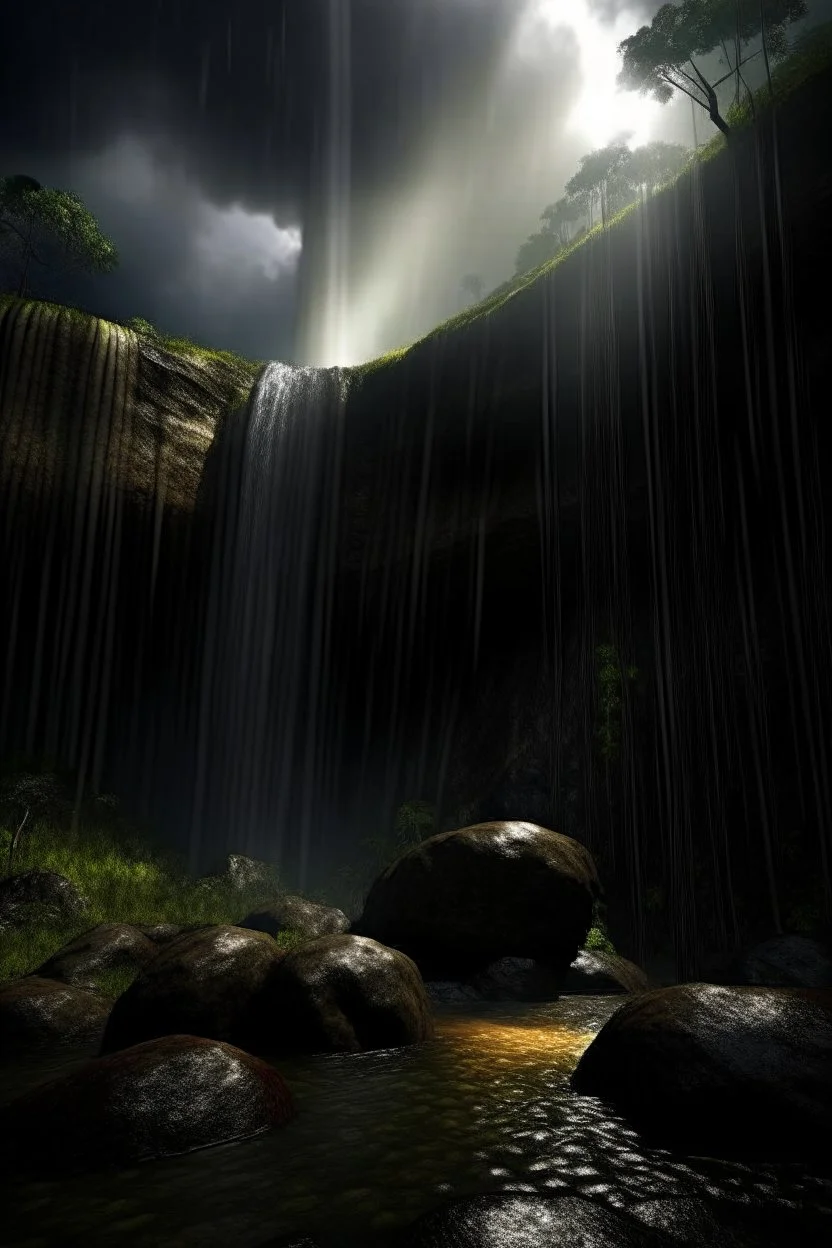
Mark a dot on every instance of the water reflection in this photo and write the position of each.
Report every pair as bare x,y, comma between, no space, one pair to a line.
382,1137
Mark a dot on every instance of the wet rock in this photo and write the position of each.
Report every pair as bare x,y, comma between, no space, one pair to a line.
728,1071
38,1013
516,979
343,994
107,947
167,933
783,961
730,1224
449,991
464,899
595,971
513,1221
240,872
157,1099
296,914
39,897
209,983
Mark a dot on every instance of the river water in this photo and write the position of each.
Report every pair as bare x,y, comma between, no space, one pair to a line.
382,1137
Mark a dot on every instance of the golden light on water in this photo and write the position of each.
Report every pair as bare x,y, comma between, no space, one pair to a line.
486,1043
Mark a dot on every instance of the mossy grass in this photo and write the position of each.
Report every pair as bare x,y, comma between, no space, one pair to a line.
177,345
123,881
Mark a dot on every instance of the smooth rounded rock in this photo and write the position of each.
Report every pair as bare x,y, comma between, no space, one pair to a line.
731,1224
209,983
38,1013
595,971
109,946
727,1071
296,914
515,1221
158,1099
343,994
464,899
39,896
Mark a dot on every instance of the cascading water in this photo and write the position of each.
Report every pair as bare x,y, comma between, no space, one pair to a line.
264,693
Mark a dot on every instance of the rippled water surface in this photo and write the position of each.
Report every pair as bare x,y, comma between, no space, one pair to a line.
382,1137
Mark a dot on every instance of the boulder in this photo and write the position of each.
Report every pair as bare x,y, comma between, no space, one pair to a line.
461,900
343,994
158,1099
790,961
296,914
729,1071
209,983
38,1013
242,873
39,897
164,933
107,947
451,992
594,971
731,1224
516,979
526,1221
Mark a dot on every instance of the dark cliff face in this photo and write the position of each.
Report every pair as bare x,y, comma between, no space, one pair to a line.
629,453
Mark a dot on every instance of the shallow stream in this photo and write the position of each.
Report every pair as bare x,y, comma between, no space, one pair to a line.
382,1137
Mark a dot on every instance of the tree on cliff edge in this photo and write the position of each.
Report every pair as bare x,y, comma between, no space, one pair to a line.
658,59
51,228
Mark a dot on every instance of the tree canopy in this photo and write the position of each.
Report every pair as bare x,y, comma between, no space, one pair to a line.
658,59
609,178
50,228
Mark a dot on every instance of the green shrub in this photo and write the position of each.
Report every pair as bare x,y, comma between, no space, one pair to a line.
598,940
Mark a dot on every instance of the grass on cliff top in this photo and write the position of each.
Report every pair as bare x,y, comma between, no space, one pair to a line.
811,55
176,345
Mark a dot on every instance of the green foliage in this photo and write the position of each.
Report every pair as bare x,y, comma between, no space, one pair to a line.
140,326
123,880
597,939
658,59
289,940
612,677
415,821
115,981
50,228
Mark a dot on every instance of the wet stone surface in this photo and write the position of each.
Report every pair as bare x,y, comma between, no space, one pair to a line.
382,1137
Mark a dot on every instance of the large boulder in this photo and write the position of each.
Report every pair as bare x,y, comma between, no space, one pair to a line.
37,1013
110,946
526,1221
157,1099
596,971
39,897
211,983
790,961
464,899
730,1071
342,994
296,914
735,1224
516,979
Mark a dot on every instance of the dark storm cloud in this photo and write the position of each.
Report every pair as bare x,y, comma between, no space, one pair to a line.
238,89
232,98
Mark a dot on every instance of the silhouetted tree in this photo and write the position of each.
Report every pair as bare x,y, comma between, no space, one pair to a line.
472,287
658,59
51,228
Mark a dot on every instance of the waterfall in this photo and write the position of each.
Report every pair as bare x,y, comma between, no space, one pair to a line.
265,690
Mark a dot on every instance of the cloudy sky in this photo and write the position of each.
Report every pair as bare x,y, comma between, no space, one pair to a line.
311,179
